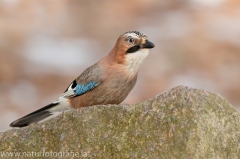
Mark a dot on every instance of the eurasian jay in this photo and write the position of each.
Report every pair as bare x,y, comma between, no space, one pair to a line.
109,81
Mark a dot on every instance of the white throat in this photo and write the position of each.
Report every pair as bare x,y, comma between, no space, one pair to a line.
134,60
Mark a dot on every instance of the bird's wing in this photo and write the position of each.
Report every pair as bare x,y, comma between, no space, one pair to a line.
78,89
88,80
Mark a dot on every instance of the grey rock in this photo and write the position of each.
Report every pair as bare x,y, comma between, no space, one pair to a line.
182,123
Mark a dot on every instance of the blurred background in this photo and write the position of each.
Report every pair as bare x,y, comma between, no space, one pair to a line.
45,44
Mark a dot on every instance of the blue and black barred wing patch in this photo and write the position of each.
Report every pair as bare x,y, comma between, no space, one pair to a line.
78,89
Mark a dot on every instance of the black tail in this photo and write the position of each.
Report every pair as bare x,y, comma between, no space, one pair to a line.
34,117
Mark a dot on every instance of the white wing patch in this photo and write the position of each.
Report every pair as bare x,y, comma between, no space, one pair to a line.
69,92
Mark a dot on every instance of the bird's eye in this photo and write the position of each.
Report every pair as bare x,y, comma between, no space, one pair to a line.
131,40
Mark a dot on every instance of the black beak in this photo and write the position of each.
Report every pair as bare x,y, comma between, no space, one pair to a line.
148,44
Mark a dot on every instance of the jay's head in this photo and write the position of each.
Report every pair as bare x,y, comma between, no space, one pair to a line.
131,49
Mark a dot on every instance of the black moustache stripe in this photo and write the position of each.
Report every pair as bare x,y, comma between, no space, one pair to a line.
133,49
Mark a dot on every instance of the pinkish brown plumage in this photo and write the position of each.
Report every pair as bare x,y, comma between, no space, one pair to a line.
109,81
